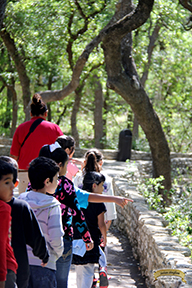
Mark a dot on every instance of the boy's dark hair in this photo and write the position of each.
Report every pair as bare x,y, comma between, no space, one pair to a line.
40,169
90,178
14,164
66,141
58,155
5,168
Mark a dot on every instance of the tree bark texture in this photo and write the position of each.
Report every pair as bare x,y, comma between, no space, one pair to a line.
14,103
98,114
7,119
123,79
14,112
126,83
2,11
20,67
186,4
76,105
152,39
106,110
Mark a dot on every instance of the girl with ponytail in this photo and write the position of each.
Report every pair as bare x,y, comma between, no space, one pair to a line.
93,162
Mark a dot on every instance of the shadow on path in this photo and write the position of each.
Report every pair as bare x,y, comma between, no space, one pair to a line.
123,269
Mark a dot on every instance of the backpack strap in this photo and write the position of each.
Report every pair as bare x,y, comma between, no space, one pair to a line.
32,128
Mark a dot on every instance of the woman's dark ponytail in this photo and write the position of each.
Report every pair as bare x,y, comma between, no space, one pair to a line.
38,107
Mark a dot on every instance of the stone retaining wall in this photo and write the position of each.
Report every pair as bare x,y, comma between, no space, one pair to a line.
5,145
151,241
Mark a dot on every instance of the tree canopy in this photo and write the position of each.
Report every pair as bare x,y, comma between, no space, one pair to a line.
140,51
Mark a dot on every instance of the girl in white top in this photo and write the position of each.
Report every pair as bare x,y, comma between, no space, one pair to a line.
93,162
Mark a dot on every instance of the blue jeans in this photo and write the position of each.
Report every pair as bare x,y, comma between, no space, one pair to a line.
63,264
42,277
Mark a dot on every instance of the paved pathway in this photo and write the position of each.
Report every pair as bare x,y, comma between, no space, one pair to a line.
123,269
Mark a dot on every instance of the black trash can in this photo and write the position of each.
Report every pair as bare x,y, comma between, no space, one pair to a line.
124,146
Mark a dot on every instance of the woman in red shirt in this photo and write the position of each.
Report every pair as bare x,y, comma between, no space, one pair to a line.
27,143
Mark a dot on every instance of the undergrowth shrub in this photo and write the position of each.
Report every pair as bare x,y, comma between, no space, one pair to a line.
179,213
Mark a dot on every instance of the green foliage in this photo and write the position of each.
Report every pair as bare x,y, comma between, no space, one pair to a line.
169,79
51,40
178,215
140,144
149,188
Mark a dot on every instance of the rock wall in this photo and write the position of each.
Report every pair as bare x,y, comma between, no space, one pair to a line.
151,241
5,145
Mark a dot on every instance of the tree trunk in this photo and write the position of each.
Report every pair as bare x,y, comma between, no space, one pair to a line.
11,89
49,112
106,110
49,104
2,11
186,4
135,131
20,67
126,83
98,114
7,119
151,46
14,113
10,95
76,105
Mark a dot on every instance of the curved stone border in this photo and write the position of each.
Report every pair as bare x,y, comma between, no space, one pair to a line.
5,145
151,241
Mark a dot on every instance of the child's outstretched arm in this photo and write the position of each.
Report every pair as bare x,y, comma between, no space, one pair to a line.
98,198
